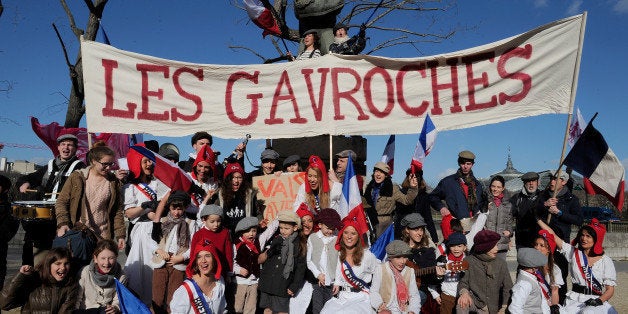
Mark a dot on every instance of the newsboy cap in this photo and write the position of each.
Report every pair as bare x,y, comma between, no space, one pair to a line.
310,31
346,153
382,166
290,217
466,154
413,220
65,137
397,248
529,257
269,154
529,176
246,223
291,160
211,209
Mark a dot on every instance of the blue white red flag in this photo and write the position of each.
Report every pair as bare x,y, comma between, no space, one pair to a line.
351,202
129,303
388,157
593,159
576,128
379,247
424,145
262,17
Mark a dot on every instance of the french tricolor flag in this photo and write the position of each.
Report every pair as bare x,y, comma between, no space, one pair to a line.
351,208
388,157
593,159
424,145
262,17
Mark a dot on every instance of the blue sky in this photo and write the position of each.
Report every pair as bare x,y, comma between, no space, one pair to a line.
201,31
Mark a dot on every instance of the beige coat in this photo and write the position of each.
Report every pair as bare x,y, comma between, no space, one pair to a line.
92,296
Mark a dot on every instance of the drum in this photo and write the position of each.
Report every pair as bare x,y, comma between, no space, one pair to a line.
28,210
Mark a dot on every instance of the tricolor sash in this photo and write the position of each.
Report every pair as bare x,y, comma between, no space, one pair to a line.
586,273
352,279
197,300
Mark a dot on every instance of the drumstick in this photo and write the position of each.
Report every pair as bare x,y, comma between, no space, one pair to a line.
36,191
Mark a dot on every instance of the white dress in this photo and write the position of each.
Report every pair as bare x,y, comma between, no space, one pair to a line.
603,270
347,301
180,303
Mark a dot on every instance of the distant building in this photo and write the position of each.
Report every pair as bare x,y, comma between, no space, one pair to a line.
24,167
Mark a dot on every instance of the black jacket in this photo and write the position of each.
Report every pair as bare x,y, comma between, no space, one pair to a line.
571,213
524,208
271,278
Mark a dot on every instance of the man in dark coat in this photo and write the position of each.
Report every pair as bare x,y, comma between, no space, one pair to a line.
524,206
561,208
461,192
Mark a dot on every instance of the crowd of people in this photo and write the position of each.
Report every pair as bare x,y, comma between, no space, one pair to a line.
210,249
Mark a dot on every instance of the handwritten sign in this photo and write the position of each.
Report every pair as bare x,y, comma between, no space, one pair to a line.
278,191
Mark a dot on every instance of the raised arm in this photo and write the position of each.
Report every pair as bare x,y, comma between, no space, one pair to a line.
544,226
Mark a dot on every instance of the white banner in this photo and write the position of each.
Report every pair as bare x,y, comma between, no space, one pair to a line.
525,75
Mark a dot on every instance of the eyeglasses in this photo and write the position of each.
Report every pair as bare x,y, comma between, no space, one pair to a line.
106,164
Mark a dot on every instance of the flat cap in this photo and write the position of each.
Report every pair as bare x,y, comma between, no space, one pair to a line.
65,137
339,26
289,216
269,154
291,160
246,223
211,209
310,31
466,154
330,218
529,176
413,220
397,248
179,196
529,257
346,153
382,166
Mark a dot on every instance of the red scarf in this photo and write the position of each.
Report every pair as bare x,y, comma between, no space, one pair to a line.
402,289
249,244
498,199
452,258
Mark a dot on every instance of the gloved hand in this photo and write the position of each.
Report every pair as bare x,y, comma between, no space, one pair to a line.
555,309
274,249
156,232
150,204
362,32
593,302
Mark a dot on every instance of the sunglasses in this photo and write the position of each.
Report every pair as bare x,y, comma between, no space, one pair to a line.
106,164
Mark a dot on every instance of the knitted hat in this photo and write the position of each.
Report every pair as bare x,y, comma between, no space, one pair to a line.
204,245
289,217
485,240
246,223
382,166
317,162
456,238
231,168
549,238
412,221
530,258
211,209
398,248
330,218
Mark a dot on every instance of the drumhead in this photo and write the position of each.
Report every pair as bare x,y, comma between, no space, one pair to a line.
35,203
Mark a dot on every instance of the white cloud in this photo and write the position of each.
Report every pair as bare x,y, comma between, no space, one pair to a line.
446,172
540,3
575,8
621,7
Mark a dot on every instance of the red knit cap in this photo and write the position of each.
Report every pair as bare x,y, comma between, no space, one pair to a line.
317,162
204,245
134,161
550,239
231,168
348,223
600,232
207,155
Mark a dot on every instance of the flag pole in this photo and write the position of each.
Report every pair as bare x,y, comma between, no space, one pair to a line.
572,99
331,158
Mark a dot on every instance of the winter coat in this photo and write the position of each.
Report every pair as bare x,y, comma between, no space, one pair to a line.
524,212
28,292
93,296
388,196
71,202
449,190
499,220
486,289
272,280
571,213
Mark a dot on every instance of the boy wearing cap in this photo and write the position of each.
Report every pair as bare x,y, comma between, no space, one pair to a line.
322,257
485,287
283,268
269,158
456,246
213,231
394,289
531,292
247,247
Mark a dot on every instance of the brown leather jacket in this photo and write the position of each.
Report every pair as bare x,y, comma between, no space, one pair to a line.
28,292
72,200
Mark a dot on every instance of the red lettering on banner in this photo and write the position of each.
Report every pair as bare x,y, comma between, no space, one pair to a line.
436,87
390,98
266,191
348,95
482,80
194,98
250,119
280,188
159,93
109,111
414,111
316,108
526,80
284,80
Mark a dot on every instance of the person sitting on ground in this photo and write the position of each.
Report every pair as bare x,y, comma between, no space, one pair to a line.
530,294
348,46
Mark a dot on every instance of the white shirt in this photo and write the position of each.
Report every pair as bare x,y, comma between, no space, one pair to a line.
180,303
134,197
520,292
335,193
320,266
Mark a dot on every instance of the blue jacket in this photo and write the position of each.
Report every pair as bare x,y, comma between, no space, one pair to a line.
449,190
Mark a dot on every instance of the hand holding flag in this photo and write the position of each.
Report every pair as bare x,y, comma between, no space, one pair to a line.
424,145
